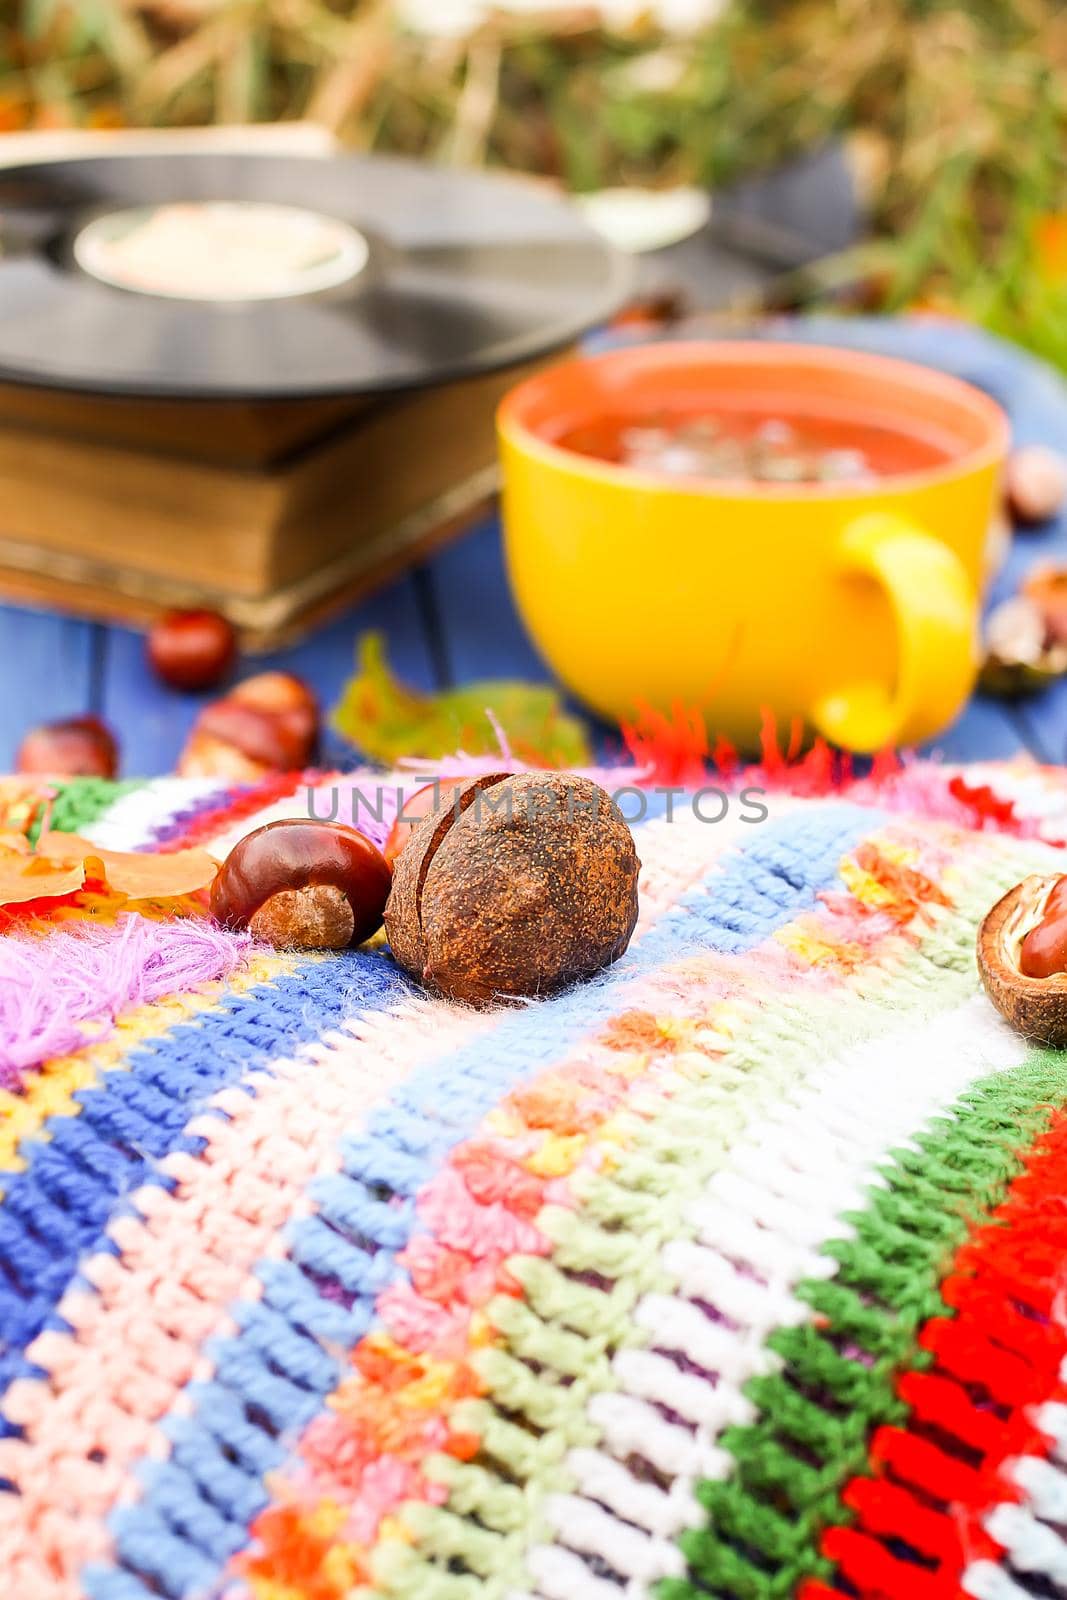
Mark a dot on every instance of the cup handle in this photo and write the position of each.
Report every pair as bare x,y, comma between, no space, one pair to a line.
934,606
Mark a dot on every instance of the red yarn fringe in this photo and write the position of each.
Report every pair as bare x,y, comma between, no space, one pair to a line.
672,749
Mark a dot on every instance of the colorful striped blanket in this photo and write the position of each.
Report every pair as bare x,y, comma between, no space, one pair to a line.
737,1273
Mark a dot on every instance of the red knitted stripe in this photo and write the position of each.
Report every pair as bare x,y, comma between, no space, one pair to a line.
884,1508
208,823
868,1565
934,1478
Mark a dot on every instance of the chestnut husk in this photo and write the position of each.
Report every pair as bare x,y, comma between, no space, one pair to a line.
1035,1007
504,905
1021,657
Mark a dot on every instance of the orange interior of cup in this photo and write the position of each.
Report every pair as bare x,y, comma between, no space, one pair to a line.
965,426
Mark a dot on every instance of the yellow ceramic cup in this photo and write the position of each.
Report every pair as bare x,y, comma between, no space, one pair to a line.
851,607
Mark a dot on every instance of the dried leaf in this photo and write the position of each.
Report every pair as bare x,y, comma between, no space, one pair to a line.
25,878
389,721
137,875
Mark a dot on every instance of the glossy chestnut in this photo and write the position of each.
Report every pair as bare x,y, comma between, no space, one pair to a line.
303,885
192,649
76,747
1044,949
267,723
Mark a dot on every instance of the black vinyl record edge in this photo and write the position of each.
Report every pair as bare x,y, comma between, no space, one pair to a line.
580,308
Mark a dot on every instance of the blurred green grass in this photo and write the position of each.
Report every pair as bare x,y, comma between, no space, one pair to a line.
961,110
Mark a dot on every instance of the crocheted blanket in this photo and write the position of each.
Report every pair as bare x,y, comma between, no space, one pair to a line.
735,1272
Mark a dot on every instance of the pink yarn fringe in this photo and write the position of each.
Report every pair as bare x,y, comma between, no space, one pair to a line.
64,991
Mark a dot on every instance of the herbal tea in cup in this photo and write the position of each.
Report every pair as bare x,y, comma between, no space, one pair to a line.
731,445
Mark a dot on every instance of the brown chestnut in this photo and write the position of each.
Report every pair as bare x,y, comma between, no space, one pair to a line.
1022,957
522,885
77,747
191,649
303,885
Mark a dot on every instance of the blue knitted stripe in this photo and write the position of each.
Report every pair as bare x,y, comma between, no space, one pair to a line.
79,1168
273,1376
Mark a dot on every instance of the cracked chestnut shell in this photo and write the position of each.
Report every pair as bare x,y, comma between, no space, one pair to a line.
303,885
523,884
1022,958
431,797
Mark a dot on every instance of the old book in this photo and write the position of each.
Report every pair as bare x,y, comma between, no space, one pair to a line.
269,514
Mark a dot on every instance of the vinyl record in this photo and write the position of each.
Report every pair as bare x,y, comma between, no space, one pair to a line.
258,278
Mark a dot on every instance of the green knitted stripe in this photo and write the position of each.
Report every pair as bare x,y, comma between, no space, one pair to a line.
81,801
669,1151
839,1374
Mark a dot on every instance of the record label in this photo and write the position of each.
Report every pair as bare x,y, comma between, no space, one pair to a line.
230,250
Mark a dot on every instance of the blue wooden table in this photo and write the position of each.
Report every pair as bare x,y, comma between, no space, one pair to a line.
452,620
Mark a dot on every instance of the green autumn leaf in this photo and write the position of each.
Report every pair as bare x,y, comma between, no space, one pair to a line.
387,720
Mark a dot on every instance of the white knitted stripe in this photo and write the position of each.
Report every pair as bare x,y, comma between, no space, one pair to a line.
1045,1486
986,1581
585,1527
712,1345
631,1427
650,1376
613,1527
781,1192
1051,1418
1030,1545
161,798
643,1504
559,1575
133,818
